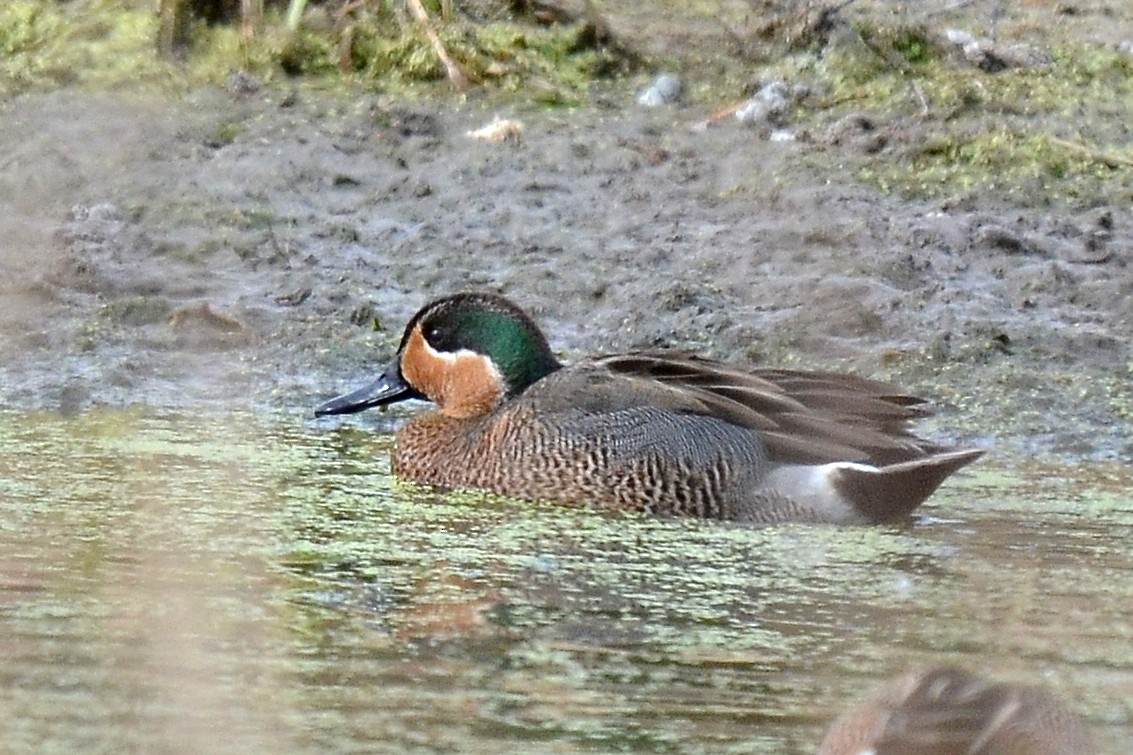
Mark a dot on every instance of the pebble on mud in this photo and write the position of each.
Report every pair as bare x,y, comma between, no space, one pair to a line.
991,56
858,132
294,298
998,237
242,84
767,107
665,90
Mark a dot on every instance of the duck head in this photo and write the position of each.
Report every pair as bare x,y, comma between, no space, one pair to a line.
467,353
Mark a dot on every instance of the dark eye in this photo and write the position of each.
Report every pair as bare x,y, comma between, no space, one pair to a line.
441,337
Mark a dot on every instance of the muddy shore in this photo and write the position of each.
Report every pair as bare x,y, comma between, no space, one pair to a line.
204,251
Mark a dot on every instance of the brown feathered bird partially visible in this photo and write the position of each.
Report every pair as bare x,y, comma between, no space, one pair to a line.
947,711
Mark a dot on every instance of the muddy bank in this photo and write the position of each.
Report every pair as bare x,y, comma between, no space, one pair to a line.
209,251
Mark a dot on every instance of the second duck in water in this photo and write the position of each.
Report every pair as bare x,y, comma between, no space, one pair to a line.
655,432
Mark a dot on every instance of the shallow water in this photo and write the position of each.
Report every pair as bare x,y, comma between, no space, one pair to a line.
182,583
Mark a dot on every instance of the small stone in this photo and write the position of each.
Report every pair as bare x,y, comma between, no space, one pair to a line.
294,298
753,111
992,57
769,105
959,37
242,84
665,90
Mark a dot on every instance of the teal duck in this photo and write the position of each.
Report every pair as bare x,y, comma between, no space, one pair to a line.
656,432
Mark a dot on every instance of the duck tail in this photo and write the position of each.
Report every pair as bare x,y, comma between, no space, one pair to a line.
884,494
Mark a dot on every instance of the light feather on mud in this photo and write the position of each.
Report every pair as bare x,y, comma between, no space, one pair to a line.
499,130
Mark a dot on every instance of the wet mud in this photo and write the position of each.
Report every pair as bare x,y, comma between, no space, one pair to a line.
213,250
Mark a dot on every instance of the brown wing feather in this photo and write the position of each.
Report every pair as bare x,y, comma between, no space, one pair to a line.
803,417
945,710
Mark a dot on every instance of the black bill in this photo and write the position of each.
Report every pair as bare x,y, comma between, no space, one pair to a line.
389,388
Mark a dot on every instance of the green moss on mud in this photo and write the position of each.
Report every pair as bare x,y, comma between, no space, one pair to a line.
1038,135
111,43
557,62
101,44
27,29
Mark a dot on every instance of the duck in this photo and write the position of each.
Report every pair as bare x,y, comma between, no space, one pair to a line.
658,432
945,710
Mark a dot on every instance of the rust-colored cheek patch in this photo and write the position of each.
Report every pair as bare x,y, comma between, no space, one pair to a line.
423,368
463,385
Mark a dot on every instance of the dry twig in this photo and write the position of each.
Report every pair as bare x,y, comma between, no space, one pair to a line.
455,75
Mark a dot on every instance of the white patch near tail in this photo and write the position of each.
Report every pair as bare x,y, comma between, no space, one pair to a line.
847,492
815,487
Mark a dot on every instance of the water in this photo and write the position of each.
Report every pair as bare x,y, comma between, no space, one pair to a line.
184,583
